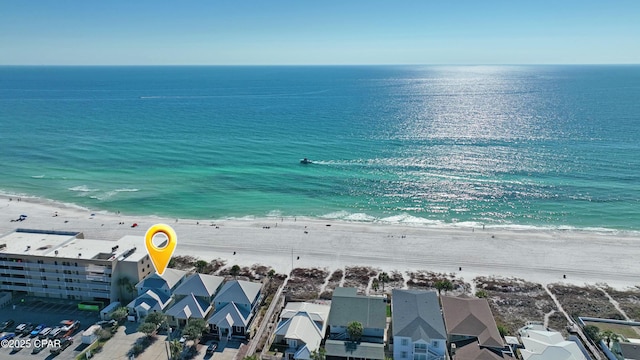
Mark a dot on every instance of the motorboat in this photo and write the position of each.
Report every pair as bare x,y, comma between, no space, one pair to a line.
306,161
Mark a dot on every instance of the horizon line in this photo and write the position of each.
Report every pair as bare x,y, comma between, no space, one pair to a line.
314,65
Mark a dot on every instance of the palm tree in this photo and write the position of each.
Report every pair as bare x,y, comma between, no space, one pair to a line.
175,349
125,287
354,330
609,336
235,270
383,277
147,328
195,329
445,285
155,318
375,284
200,266
320,354
120,314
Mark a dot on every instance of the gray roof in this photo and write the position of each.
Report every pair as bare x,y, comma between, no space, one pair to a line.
189,307
199,285
170,278
317,312
347,306
474,352
150,300
350,349
416,314
630,350
301,327
229,316
239,292
471,317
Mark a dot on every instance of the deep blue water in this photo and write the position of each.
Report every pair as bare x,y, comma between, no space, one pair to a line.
542,146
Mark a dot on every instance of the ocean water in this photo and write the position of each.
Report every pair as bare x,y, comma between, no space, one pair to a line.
521,146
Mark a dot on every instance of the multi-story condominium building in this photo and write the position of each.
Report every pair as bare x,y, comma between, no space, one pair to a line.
65,265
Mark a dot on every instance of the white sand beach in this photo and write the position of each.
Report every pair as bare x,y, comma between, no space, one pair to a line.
534,255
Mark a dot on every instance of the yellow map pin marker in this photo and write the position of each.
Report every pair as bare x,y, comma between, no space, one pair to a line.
160,256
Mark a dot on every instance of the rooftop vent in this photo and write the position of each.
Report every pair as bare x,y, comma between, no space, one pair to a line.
128,253
3,246
28,247
79,254
113,249
56,252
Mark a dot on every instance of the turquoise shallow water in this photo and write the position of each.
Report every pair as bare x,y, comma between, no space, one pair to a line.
540,146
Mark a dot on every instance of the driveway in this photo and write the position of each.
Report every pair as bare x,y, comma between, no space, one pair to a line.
120,344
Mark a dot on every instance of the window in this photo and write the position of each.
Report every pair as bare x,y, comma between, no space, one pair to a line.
405,342
403,354
434,344
238,329
420,347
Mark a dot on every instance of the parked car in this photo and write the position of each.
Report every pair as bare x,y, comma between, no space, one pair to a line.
69,327
211,348
65,343
55,332
37,330
8,336
43,334
5,325
27,330
38,349
20,328
105,323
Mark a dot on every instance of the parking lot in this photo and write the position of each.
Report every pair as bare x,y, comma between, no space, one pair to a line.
49,312
52,311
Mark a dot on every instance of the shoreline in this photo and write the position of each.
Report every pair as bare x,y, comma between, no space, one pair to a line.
542,256
427,224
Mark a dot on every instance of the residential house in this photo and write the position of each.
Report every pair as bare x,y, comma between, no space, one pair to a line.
418,327
346,307
235,305
201,286
190,307
162,285
150,301
542,344
302,327
155,293
472,330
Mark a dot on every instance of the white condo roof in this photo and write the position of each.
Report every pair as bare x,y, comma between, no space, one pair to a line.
64,244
